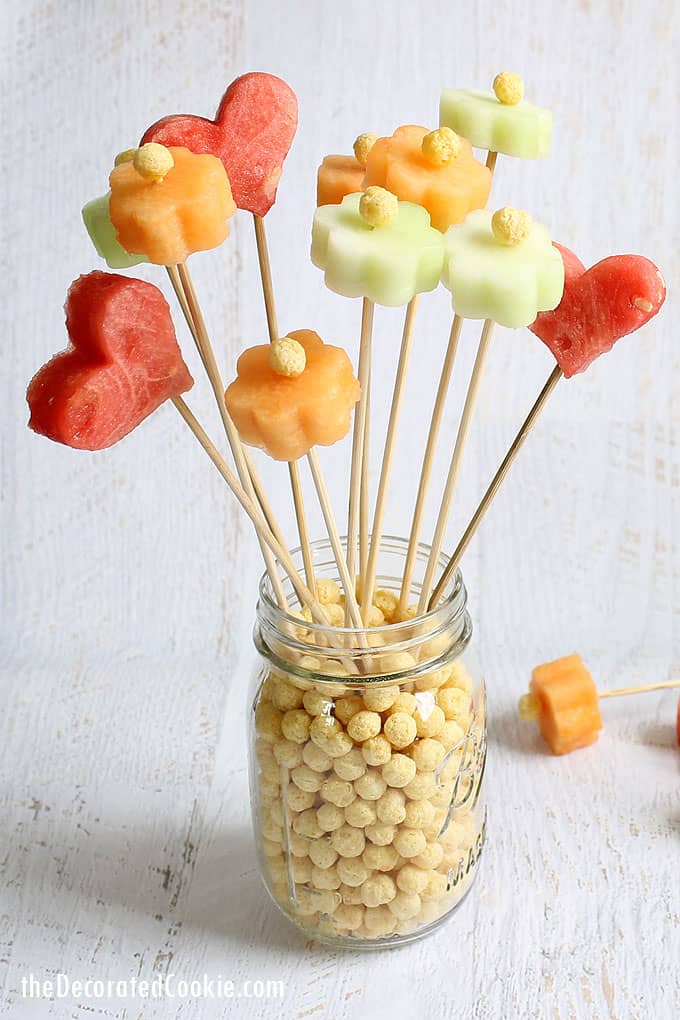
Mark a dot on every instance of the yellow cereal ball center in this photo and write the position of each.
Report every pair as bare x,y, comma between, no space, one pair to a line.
126,156
511,226
378,207
287,357
153,162
529,707
362,146
441,146
509,88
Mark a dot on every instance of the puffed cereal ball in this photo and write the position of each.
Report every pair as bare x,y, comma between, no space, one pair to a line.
350,766
270,848
327,591
348,841
376,750
288,754
306,903
412,880
378,890
317,703
323,728
350,895
298,799
404,906
459,677
454,703
302,869
409,842
350,917
285,696
330,817
428,754
374,617
397,662
325,878
339,745
431,857
271,831
437,886
316,758
363,726
380,834
360,813
321,853
388,604
305,824
352,871
405,702
399,771
380,858
347,707
263,752
276,812
451,734
327,901
338,791
306,779
295,726
268,722
419,814
379,699
400,729
372,785
391,808
298,845
378,921
432,681
422,785
429,719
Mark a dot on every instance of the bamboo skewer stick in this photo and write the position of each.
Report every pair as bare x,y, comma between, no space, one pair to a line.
428,459
456,463
620,692
491,158
273,329
368,575
496,483
364,498
358,438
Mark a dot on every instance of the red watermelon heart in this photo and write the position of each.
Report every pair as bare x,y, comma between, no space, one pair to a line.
599,306
122,363
252,132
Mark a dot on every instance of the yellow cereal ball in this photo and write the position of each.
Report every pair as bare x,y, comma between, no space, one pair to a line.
316,758
397,662
405,905
409,842
299,800
329,816
451,734
360,813
288,754
305,901
325,878
406,614
405,702
302,869
153,162
348,841
327,901
306,779
317,703
351,895
380,699
399,771
454,703
391,808
419,814
400,729
442,797
376,750
380,858
421,786
432,681
429,717
349,917
380,834
363,145
296,725
441,146
459,677
378,921
352,871
378,207
428,754
435,646
378,890
431,857
271,848
347,707
335,615
287,357
509,88
126,156
437,886
286,697
363,726
321,853
276,812
371,786
388,604
268,722
511,226
298,845
339,745
269,790
338,791
327,591
351,765
324,727
264,752
411,879
374,617
305,824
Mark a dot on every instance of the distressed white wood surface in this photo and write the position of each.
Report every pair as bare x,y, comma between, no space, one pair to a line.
128,578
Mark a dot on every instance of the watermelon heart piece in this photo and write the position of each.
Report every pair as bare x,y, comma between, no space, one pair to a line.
599,306
122,363
252,132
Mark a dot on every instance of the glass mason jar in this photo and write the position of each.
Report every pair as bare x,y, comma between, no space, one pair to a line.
367,752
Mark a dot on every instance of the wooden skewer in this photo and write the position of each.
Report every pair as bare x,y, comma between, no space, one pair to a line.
273,329
491,158
368,575
642,689
428,460
358,438
456,462
365,495
495,485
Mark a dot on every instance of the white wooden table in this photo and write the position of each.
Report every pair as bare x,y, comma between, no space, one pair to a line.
128,578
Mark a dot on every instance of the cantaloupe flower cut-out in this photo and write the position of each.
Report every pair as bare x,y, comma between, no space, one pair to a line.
287,414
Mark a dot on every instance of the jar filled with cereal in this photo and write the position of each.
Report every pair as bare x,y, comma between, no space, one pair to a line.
367,757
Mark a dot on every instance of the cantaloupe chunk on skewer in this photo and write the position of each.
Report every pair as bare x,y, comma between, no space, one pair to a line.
564,700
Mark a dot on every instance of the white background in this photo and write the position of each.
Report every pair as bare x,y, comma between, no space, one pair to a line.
128,577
